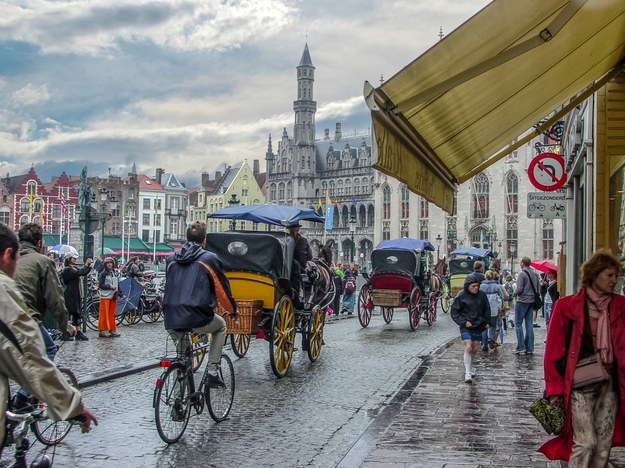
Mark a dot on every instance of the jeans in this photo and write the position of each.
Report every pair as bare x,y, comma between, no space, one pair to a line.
51,350
523,313
547,309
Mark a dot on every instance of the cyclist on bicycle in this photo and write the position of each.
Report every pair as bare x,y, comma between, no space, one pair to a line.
195,284
22,357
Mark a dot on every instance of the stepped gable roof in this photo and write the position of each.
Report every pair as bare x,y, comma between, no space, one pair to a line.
354,141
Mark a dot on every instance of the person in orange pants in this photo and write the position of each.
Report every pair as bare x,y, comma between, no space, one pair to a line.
109,284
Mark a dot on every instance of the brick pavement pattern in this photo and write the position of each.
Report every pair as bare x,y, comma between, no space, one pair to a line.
448,423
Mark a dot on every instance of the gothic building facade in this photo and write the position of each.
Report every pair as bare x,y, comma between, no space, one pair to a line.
333,173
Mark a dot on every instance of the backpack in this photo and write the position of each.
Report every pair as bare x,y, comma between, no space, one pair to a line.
350,285
495,303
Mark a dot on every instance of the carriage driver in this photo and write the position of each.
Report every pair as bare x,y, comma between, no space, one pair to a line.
301,255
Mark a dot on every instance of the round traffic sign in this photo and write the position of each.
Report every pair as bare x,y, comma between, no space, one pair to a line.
546,172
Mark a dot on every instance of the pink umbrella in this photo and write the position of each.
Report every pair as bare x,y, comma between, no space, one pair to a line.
544,266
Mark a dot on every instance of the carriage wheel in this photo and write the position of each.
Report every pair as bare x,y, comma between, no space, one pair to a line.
240,344
387,314
431,313
282,336
445,297
414,308
315,333
365,305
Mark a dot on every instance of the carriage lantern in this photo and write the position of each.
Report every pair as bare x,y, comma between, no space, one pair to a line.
512,252
352,230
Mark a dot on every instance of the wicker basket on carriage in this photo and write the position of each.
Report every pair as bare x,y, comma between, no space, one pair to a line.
249,317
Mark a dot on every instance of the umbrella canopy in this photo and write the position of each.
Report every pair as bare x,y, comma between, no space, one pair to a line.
474,252
131,292
62,249
269,213
406,243
104,252
544,266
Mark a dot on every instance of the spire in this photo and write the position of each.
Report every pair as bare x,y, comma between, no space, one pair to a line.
305,61
440,34
134,168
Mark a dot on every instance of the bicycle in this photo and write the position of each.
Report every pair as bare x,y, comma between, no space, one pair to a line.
175,392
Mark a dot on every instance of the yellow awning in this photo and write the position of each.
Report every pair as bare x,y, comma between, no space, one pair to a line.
448,114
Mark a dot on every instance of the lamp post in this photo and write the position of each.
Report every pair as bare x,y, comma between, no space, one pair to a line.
512,252
352,230
439,239
234,201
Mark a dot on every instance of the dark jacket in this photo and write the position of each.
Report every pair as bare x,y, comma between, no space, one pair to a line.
38,281
302,252
195,284
71,278
471,307
552,290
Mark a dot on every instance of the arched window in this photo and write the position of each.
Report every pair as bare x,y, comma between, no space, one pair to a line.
330,158
348,187
386,203
324,188
344,216
281,193
512,194
24,205
405,203
424,210
512,234
289,191
356,186
479,237
272,193
364,185
339,186
480,196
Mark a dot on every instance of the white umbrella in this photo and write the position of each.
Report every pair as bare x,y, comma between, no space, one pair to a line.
62,249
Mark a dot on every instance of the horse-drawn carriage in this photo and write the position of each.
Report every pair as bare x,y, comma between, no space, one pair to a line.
258,265
400,278
461,264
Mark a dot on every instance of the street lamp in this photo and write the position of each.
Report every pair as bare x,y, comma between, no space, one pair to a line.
439,239
352,230
233,202
512,252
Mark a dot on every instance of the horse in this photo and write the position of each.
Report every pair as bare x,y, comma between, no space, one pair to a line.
322,288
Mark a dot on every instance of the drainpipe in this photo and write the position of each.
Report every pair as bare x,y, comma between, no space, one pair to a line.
589,203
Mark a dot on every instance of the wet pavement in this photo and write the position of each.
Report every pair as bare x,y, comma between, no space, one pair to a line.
378,397
445,422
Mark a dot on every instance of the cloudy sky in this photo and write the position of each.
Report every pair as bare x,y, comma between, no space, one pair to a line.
191,85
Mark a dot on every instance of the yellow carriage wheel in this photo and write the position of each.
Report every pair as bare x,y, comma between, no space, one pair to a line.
282,336
315,333
445,297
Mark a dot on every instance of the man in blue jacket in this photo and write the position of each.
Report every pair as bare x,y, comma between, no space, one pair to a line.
195,284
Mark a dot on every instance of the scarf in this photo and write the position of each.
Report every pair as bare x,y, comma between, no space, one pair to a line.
602,303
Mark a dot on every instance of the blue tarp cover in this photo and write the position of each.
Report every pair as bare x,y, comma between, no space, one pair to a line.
406,243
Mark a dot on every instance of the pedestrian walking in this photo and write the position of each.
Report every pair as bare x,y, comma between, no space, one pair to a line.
527,283
109,291
349,293
502,324
491,288
471,311
509,286
71,276
551,296
588,324
338,286
195,285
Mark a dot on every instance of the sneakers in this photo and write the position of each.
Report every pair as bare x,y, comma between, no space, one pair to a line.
214,381
80,336
21,403
113,334
104,334
519,351
473,372
468,378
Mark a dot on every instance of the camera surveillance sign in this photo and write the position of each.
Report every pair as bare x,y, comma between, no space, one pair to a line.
545,205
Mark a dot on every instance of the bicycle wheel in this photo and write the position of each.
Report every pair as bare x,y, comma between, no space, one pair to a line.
172,403
47,431
133,316
219,400
93,314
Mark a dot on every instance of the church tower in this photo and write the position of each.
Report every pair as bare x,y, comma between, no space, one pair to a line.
305,108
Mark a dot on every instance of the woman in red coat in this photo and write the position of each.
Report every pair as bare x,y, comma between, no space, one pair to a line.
591,321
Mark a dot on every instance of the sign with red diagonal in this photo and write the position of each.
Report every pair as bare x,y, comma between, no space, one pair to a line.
546,172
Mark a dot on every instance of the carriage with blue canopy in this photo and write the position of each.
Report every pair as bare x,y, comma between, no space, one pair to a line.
461,264
399,278
259,267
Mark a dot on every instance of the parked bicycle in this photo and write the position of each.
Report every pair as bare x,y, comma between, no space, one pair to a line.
175,394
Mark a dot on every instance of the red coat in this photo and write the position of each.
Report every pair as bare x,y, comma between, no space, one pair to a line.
572,308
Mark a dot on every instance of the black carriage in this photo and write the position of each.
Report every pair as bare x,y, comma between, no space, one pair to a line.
461,264
259,266
399,278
